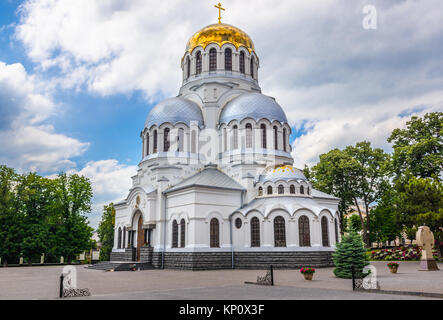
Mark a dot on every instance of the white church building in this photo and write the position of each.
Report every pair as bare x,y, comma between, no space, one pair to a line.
215,187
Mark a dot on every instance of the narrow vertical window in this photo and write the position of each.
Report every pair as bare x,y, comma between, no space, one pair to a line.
225,138
180,140
119,238
182,233
248,135
269,190
193,141
242,62
212,60
302,190
228,59
263,136
260,191
304,232
255,232
292,189
284,140
235,136
279,232
324,232
252,67
198,63
166,140
214,233
155,141
188,67
174,234
281,189
147,144
275,138
124,238
336,230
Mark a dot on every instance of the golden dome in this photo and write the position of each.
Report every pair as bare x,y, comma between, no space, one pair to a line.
220,34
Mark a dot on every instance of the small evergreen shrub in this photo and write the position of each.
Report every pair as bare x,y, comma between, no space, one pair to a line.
350,252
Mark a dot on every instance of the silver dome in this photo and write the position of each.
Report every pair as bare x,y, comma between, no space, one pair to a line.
253,105
174,110
284,172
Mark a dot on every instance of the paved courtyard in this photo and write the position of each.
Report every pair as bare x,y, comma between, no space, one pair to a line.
43,283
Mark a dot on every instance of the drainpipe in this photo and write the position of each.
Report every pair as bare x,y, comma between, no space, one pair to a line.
230,229
164,232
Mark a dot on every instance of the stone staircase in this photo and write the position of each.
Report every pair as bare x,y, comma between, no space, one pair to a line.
120,266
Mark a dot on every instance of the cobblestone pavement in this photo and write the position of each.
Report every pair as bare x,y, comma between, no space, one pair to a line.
43,283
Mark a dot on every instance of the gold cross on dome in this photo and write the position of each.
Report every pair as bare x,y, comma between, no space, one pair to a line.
220,8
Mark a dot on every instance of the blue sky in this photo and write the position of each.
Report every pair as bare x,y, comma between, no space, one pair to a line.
78,78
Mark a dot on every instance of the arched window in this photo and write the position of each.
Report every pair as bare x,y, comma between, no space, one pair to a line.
281,189
269,189
166,140
180,140
248,135
198,62
235,137
124,238
228,59
255,232
279,232
292,189
324,232
304,232
302,190
193,141
212,60
263,135
275,138
336,230
284,139
155,141
242,62
307,191
252,66
214,233
147,144
174,234
188,67
260,191
182,233
119,238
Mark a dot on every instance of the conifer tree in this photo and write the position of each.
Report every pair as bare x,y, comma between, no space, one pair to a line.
350,252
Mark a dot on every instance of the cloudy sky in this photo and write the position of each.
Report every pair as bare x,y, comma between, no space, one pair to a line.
78,78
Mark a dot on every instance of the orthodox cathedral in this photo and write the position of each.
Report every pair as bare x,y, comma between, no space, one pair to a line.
215,187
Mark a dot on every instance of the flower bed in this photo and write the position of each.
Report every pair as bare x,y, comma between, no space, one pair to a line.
404,253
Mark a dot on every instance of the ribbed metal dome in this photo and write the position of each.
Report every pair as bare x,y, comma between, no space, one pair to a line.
253,105
284,173
174,110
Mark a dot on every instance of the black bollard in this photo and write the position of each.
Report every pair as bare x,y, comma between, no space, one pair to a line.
61,285
272,276
353,277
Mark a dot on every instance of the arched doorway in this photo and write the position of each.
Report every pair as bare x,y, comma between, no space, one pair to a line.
140,236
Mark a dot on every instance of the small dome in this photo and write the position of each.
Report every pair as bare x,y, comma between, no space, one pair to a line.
174,110
252,105
220,34
285,173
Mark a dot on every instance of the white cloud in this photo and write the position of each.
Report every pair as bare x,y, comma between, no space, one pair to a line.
337,81
110,180
27,143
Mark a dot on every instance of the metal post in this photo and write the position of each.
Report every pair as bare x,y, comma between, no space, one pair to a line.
61,285
272,276
353,277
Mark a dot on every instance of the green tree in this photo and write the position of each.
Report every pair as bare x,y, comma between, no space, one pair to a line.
106,232
73,195
11,229
354,223
333,174
420,202
349,252
35,196
371,180
418,149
